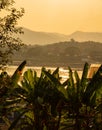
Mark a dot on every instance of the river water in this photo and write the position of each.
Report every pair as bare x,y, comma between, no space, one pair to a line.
62,71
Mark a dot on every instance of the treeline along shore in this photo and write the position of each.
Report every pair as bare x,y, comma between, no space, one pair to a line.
69,53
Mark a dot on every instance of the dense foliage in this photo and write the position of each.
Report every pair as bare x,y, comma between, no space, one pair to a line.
46,103
8,28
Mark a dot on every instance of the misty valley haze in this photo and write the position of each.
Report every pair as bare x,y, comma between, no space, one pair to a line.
43,38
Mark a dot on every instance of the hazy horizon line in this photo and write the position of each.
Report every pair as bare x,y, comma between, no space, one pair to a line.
62,32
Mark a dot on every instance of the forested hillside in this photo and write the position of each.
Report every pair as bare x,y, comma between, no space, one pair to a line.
66,53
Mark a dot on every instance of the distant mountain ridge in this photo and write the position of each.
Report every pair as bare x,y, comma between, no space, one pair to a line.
86,36
43,38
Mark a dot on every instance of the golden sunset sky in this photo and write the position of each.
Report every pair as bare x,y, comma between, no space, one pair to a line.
61,16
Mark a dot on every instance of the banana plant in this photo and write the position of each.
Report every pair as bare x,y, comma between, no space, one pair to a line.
42,98
57,99
45,103
92,88
82,94
7,93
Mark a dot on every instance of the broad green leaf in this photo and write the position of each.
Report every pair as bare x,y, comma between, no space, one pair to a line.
93,100
52,78
78,88
84,76
71,79
63,90
56,73
17,74
94,85
29,75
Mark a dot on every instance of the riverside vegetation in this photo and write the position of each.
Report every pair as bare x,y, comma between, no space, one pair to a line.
45,103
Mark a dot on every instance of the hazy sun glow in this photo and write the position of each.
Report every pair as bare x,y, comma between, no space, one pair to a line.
63,16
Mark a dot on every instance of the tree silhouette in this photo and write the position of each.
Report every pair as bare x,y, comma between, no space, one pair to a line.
9,42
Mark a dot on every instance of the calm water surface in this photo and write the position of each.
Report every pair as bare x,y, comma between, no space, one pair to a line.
62,71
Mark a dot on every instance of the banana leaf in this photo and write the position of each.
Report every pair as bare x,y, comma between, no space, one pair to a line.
84,76
52,78
17,74
94,85
71,79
